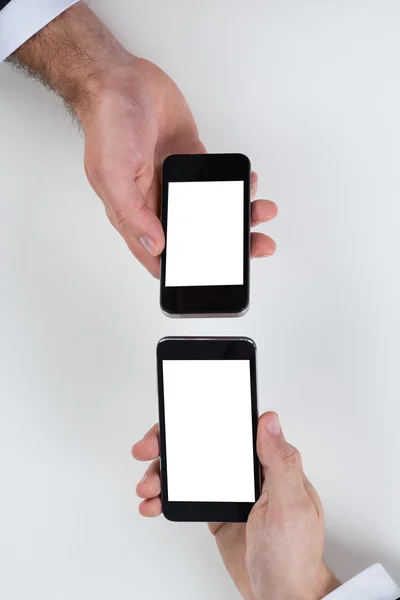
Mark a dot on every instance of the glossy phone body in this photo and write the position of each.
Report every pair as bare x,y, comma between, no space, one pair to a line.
208,425
205,265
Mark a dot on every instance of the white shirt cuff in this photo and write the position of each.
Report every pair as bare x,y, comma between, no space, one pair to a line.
373,584
21,19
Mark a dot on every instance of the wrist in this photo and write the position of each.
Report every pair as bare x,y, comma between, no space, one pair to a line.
319,584
76,56
326,583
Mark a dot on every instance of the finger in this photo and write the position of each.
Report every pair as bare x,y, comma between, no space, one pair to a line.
135,221
281,462
215,527
253,184
151,263
198,148
312,492
153,431
180,144
150,507
262,211
146,178
150,484
261,245
125,206
148,448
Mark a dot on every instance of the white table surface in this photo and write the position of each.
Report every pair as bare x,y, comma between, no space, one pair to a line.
311,92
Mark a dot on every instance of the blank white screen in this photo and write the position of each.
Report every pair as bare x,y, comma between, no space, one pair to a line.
205,233
208,427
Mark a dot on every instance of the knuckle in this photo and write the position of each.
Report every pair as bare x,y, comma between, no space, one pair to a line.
93,172
308,508
290,457
136,157
97,171
118,217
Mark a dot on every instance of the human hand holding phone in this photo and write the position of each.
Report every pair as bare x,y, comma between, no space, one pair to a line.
133,116
139,119
278,553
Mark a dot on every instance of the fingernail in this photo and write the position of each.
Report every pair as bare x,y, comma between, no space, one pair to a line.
149,244
274,426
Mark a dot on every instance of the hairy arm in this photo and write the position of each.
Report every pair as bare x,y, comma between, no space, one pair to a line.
133,117
73,56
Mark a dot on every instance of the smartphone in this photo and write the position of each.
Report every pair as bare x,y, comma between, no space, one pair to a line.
206,218
208,424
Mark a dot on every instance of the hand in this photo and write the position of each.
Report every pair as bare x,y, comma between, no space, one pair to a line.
230,537
140,120
285,529
277,555
133,117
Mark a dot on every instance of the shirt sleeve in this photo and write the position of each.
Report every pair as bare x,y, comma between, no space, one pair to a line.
373,584
21,19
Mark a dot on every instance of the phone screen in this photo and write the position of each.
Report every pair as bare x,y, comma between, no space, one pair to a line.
205,233
208,430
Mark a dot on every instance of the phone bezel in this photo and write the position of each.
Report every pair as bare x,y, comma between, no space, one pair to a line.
224,300
179,348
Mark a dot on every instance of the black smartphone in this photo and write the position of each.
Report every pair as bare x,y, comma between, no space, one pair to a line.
208,425
206,218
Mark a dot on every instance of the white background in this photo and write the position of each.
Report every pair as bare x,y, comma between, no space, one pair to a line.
208,427
205,233
311,92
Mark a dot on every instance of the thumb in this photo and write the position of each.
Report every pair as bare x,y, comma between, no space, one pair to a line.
127,211
281,462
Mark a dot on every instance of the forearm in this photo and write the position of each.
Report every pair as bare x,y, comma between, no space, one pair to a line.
73,55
